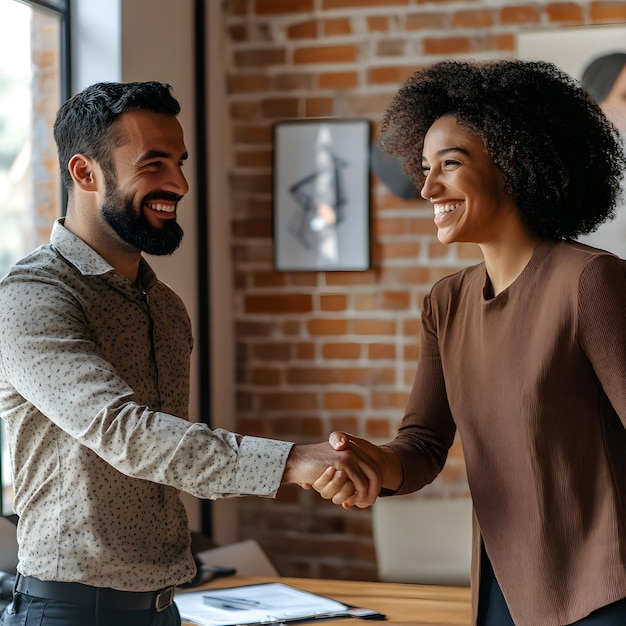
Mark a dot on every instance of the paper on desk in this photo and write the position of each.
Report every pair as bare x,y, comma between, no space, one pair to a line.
255,604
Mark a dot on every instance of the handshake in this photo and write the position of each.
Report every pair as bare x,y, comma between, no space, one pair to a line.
347,470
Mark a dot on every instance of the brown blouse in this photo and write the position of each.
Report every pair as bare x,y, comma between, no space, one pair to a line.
535,381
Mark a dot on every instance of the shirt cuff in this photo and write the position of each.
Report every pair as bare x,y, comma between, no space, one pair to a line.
261,465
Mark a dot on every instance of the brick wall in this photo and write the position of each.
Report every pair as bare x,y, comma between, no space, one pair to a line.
318,351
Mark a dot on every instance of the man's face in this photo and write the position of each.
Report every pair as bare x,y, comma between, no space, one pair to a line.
132,226
146,183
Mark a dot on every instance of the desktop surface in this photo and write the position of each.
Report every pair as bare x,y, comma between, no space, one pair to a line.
417,605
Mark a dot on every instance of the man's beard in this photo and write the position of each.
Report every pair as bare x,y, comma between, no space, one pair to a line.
134,228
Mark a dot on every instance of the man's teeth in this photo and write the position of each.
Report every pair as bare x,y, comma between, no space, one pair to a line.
168,208
445,208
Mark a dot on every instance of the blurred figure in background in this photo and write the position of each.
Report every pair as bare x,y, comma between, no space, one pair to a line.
605,79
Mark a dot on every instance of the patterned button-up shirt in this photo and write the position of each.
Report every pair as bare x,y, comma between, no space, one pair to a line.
94,390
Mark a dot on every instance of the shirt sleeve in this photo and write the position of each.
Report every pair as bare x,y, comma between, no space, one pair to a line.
602,325
427,430
53,374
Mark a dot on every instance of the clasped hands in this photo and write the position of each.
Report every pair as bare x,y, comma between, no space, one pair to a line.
347,470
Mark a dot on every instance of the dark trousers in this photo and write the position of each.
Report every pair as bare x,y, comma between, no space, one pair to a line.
30,611
493,611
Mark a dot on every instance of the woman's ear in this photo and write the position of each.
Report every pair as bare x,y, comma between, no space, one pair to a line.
84,172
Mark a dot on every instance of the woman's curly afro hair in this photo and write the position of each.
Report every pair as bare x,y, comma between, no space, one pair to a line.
561,158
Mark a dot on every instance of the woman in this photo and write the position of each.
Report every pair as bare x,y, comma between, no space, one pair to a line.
524,354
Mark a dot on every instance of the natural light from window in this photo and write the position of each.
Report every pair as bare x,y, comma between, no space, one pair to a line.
30,94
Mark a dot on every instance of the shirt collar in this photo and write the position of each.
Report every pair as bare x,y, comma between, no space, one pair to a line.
86,260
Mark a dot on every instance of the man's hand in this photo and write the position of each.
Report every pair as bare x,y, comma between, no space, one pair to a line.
346,475
334,485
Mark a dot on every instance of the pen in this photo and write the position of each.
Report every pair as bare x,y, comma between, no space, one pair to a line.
233,603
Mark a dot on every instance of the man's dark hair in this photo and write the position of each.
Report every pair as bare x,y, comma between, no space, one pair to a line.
84,123
562,160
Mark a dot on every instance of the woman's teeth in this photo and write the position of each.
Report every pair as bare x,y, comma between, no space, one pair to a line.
445,208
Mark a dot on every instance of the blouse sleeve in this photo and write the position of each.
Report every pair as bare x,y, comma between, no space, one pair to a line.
602,325
427,430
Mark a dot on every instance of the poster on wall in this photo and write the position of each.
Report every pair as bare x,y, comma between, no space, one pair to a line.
321,195
575,50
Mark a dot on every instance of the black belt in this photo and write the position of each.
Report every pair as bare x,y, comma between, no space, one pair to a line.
104,598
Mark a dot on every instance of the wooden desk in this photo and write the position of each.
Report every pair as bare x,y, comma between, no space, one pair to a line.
418,605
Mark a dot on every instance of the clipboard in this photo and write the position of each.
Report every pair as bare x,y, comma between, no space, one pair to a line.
260,604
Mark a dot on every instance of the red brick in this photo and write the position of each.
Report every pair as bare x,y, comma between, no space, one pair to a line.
325,54
384,400
272,351
337,26
356,4
319,107
341,351
295,427
346,424
342,401
333,302
274,7
340,376
565,13
429,21
292,81
320,327
254,158
303,30
260,57
602,12
268,279
280,107
378,23
265,376
373,327
481,18
381,351
520,14
247,83
338,80
305,351
291,401
378,429
252,133
398,250
278,303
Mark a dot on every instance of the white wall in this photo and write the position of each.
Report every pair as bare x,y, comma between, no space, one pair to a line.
96,42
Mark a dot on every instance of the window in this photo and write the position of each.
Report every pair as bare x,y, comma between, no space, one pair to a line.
33,83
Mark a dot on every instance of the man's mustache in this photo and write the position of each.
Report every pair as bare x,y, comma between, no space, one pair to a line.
166,196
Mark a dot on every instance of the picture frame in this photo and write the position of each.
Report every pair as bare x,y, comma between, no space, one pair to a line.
321,194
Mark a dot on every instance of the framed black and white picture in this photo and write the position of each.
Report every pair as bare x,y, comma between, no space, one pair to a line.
321,189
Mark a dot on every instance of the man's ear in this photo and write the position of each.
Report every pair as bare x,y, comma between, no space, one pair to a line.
84,172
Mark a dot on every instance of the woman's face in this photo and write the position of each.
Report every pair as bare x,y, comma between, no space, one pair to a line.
464,185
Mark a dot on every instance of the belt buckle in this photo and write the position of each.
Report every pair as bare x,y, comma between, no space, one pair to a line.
164,599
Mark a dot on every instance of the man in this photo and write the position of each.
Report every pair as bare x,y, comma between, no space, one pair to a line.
94,383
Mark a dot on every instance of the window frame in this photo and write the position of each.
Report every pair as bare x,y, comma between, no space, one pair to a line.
61,9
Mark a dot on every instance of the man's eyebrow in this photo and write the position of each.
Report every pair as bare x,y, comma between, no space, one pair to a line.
159,154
